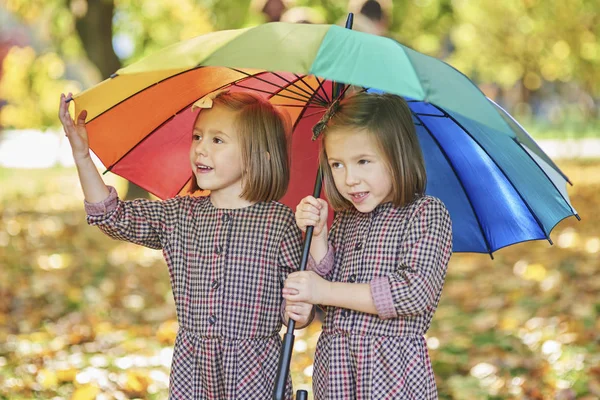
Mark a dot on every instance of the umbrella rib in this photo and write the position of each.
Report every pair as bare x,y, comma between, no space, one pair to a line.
184,183
293,83
553,164
323,90
298,105
302,113
109,168
267,92
303,97
487,243
500,169
546,175
324,100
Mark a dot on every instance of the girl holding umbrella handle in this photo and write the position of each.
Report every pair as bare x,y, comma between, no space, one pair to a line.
380,270
228,253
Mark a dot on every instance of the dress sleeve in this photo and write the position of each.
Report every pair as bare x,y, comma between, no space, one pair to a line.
140,221
415,285
325,267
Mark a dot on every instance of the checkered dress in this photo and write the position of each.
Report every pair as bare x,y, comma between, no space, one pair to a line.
227,269
403,253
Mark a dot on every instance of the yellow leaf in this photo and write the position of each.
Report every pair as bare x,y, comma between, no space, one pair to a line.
167,331
86,392
47,379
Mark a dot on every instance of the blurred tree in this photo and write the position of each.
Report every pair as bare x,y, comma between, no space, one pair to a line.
527,43
107,33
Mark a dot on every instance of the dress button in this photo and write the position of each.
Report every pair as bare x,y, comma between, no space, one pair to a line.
219,249
212,319
358,246
226,218
352,278
216,284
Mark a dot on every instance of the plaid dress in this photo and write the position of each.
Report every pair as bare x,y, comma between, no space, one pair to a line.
227,268
403,253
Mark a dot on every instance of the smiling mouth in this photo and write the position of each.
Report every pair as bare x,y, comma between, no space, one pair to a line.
203,168
358,196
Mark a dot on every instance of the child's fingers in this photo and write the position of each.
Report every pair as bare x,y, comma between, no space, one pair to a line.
81,118
322,204
310,200
311,221
291,297
289,291
296,317
304,209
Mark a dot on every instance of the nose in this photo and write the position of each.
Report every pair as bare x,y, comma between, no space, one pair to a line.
199,147
351,177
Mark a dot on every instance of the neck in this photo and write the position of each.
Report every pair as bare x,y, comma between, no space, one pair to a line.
229,198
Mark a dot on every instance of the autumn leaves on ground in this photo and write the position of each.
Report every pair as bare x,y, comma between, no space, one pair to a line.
85,317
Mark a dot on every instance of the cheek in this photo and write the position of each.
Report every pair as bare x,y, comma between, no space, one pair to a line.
338,178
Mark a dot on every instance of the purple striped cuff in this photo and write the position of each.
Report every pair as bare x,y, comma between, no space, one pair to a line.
382,297
106,206
325,266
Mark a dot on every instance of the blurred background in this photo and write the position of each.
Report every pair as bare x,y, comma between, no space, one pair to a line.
85,317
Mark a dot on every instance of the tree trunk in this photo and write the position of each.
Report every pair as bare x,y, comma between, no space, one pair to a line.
95,31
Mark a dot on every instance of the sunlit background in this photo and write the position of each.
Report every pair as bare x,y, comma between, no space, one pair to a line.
84,317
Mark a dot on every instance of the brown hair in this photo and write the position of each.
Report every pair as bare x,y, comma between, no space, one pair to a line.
388,119
263,132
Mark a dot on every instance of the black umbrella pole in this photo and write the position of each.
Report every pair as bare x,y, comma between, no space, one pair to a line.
285,357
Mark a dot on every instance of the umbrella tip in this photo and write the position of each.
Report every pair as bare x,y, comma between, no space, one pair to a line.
350,21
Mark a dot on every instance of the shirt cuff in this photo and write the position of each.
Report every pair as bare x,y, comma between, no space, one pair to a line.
105,206
382,297
324,267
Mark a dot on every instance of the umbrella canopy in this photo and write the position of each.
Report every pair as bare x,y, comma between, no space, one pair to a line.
498,185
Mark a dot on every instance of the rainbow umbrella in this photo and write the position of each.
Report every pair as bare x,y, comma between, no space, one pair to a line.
499,186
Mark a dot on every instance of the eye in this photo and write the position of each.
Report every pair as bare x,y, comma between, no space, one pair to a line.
336,165
363,162
217,140
196,137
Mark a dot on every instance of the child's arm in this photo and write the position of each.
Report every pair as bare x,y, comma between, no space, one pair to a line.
313,212
139,222
410,290
94,189
417,282
289,261
309,287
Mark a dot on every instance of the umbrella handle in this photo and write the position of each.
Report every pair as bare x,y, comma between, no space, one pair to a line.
285,356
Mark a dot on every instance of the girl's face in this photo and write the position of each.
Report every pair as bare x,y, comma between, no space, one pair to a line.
215,154
359,170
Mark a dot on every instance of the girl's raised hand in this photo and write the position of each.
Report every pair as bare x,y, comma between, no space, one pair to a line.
312,212
75,131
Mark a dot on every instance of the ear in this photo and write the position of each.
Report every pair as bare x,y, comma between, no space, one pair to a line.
268,155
